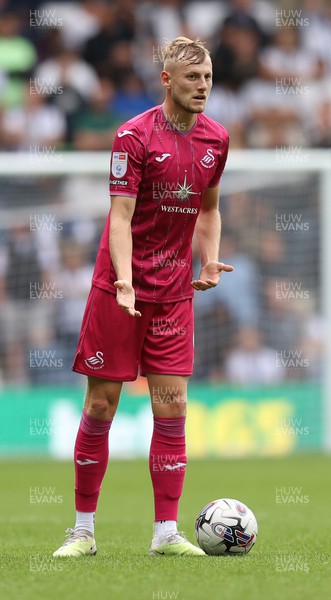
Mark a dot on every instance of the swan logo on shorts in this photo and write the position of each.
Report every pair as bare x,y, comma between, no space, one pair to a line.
119,164
96,361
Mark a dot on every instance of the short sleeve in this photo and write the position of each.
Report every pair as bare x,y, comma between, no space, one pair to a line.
126,163
221,163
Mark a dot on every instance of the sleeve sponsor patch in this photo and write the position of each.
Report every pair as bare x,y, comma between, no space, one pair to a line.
118,182
119,164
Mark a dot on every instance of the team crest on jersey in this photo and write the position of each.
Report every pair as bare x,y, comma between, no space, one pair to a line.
119,164
208,161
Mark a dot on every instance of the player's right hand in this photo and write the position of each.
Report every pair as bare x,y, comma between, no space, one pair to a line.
125,297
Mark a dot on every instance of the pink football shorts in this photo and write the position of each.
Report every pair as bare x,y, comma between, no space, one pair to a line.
116,346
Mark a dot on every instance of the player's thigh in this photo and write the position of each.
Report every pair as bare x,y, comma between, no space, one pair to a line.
168,344
168,394
102,397
110,341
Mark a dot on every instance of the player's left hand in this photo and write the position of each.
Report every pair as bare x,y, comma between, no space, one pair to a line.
125,297
210,275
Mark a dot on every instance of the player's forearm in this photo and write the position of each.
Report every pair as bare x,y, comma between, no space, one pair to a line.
120,247
208,233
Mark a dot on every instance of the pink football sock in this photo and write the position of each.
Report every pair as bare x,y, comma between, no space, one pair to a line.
91,460
167,464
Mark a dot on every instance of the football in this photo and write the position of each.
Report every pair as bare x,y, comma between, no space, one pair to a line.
226,526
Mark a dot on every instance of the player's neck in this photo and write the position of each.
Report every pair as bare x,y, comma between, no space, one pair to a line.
178,117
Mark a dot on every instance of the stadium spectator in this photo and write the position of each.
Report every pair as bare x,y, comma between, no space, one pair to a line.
312,346
320,124
244,277
77,21
251,362
3,82
203,18
273,259
257,14
244,212
70,82
162,20
214,331
49,43
36,126
240,18
273,99
316,114
22,281
74,280
236,62
117,24
130,96
67,68
316,30
280,324
288,59
120,61
18,56
227,106
95,126
237,54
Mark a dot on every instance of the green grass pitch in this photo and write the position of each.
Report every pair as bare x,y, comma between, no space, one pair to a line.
291,559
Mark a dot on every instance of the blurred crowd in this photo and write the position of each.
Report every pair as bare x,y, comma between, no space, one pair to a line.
70,74
261,325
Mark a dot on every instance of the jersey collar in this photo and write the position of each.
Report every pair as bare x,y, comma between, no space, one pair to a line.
174,128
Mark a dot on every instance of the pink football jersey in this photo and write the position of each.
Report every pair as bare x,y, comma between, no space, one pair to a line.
167,172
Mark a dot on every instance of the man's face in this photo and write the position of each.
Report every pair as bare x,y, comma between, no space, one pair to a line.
189,84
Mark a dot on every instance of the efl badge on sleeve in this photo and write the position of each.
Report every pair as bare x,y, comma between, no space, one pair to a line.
119,164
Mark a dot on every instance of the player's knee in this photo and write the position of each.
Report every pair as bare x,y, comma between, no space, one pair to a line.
102,398
96,407
172,407
99,408
177,407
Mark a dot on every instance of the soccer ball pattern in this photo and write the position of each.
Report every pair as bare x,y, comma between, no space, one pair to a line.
226,526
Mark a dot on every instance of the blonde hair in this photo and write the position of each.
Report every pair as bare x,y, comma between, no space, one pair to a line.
182,48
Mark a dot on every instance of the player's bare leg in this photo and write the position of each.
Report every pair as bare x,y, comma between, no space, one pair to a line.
102,398
167,463
91,460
